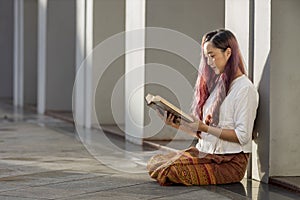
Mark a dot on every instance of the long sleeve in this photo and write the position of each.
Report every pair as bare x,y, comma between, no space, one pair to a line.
245,107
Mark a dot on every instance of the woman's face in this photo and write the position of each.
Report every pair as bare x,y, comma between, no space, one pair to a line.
216,58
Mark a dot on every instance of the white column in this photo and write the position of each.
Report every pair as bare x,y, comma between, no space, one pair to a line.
237,18
89,62
261,78
42,44
18,93
134,79
83,91
79,90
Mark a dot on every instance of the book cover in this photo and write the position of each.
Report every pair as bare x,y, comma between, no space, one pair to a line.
157,102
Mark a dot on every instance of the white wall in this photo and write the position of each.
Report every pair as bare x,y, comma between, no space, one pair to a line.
193,18
109,19
284,89
6,48
30,52
60,59
261,79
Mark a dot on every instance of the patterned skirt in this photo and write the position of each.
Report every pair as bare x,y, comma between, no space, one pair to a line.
192,167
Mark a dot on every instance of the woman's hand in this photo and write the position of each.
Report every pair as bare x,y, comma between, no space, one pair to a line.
196,126
189,128
168,118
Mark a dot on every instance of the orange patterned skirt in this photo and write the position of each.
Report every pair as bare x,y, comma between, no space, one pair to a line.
192,167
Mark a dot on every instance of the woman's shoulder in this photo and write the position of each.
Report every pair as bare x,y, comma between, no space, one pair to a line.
244,82
245,85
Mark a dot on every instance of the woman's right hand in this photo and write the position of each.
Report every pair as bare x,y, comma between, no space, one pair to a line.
168,118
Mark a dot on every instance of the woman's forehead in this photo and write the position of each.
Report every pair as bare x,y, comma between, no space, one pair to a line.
208,48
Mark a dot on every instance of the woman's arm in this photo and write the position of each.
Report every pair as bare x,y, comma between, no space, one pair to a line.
198,126
229,135
224,134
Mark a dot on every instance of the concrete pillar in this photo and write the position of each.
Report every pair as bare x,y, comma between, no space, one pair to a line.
82,94
79,87
18,96
237,20
41,55
89,63
135,71
284,88
25,52
275,150
261,78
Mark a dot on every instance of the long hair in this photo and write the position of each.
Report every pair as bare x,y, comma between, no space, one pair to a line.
207,80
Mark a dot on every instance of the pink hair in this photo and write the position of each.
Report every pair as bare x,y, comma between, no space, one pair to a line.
207,79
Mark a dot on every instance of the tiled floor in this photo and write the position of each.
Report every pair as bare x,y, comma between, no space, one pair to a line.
289,182
45,158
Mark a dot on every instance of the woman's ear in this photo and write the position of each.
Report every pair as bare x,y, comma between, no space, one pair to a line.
228,52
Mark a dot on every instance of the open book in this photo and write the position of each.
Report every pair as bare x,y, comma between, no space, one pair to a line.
157,102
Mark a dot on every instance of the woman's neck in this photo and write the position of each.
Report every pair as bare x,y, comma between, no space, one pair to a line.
238,73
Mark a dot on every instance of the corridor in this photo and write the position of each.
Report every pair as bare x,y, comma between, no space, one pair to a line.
44,158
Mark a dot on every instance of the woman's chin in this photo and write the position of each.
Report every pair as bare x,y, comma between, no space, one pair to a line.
217,71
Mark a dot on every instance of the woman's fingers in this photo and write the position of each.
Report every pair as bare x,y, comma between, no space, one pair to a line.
164,117
170,117
167,118
159,114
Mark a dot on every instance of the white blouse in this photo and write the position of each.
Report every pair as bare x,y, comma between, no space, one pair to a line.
237,112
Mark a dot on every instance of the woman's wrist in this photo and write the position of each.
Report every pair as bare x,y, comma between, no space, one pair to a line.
214,131
209,129
202,127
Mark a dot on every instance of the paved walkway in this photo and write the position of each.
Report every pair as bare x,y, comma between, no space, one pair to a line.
43,158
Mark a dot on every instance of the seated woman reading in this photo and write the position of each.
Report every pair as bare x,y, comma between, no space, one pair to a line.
224,109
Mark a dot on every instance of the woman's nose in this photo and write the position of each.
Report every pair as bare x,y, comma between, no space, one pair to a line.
209,61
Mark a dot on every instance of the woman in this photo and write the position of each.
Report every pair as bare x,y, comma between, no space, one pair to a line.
224,109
